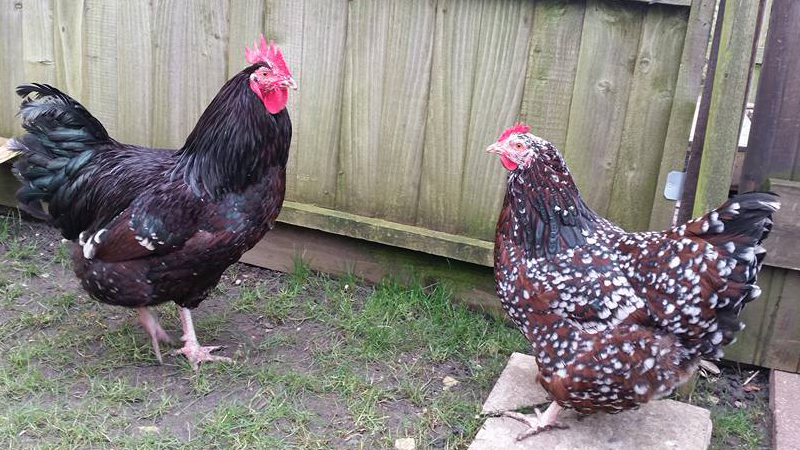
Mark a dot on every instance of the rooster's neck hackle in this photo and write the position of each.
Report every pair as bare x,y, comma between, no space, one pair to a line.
548,214
235,141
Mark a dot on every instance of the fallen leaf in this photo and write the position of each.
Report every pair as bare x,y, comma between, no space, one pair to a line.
405,444
149,429
449,382
709,366
752,388
713,400
738,404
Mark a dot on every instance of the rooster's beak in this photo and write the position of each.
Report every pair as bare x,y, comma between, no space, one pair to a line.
494,148
290,83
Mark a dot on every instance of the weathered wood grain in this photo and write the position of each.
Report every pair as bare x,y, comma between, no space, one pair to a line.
552,62
606,62
647,116
780,349
774,144
189,65
667,2
383,108
38,54
385,232
246,22
453,73
314,159
11,67
783,245
134,72
68,47
727,104
684,101
100,63
497,94
283,21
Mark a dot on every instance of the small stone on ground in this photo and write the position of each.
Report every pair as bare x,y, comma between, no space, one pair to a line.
659,425
784,401
405,444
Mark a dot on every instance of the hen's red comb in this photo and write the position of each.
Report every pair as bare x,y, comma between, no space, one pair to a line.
267,53
517,128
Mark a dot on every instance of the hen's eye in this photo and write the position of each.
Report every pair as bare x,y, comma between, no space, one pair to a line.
518,146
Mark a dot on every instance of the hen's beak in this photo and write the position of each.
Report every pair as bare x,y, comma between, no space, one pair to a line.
290,83
494,148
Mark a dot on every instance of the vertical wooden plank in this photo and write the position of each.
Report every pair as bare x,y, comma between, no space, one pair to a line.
283,21
320,75
38,57
606,61
727,103
552,61
781,348
245,24
684,101
190,65
100,62
775,133
757,316
313,42
68,25
134,72
647,116
388,57
496,98
11,70
453,71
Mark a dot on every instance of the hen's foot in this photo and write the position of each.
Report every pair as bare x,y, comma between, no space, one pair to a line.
153,328
192,350
196,354
543,422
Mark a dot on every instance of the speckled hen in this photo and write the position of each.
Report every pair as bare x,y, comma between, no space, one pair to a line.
152,226
616,319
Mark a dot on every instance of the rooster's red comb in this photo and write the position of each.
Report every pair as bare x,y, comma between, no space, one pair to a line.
517,128
266,53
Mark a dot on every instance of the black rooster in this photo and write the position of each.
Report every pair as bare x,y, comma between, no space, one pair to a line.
155,226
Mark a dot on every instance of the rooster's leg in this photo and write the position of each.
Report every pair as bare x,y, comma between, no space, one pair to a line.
154,330
192,349
544,421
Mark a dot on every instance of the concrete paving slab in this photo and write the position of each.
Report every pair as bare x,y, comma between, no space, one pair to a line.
517,387
784,401
659,425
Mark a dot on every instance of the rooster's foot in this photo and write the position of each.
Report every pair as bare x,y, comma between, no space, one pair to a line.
543,422
154,330
192,349
196,354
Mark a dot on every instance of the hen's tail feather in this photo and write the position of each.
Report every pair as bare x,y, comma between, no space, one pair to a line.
736,230
62,137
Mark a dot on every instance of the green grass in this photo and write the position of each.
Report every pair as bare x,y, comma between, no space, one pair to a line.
737,425
330,363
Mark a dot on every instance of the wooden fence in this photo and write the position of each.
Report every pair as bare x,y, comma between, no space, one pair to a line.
397,99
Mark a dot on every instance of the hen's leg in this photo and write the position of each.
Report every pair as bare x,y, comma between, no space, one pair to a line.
544,421
192,349
154,330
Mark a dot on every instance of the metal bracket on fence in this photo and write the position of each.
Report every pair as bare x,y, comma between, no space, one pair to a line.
674,186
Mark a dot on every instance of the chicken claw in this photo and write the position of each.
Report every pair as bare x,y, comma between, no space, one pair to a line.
192,350
543,422
196,354
154,330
